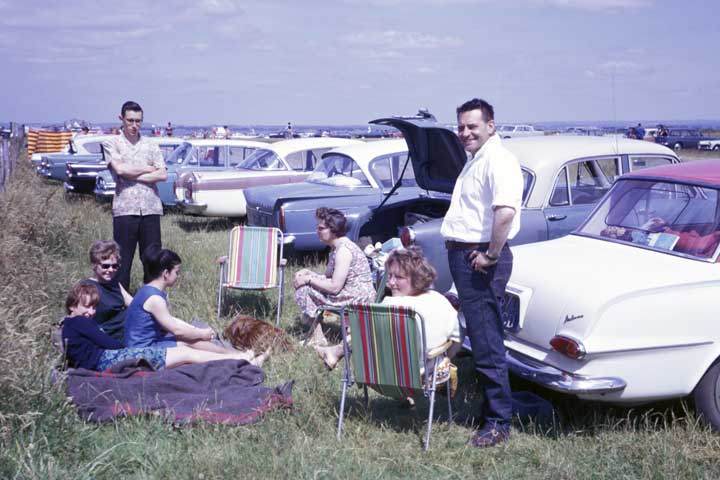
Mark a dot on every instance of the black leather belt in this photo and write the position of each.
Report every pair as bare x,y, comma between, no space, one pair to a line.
455,245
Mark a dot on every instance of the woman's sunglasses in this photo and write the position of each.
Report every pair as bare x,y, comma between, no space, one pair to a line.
108,266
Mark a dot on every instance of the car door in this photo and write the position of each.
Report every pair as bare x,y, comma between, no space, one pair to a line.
578,187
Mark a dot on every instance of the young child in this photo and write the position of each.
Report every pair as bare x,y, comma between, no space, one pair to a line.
91,348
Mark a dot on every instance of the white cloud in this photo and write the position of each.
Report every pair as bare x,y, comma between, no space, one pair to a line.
618,69
395,40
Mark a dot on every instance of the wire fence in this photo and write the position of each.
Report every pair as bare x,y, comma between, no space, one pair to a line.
11,144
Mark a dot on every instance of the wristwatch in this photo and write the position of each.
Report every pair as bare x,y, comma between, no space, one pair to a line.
491,257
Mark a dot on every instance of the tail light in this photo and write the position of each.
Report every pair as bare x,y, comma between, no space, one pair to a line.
568,347
453,299
281,219
407,236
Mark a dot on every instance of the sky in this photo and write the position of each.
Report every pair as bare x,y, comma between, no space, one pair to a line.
349,61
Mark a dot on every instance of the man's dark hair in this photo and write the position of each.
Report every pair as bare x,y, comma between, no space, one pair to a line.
132,106
488,112
333,219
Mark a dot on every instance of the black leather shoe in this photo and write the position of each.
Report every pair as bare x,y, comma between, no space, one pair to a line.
489,437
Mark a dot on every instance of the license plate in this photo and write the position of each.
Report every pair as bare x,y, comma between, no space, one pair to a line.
510,307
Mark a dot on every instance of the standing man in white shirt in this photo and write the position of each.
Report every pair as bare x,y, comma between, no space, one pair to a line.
136,165
484,214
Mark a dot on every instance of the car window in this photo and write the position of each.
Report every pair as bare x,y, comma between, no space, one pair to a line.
297,160
647,161
166,150
386,170
660,215
610,168
93,147
340,170
560,195
262,159
209,156
528,180
185,154
237,154
584,182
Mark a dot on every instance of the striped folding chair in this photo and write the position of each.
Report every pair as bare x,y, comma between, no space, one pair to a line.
388,351
254,262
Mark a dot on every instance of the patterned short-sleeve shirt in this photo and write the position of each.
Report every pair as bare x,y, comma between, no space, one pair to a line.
132,197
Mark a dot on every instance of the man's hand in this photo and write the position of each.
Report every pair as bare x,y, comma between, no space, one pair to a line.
480,261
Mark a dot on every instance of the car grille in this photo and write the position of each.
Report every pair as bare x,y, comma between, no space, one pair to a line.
510,306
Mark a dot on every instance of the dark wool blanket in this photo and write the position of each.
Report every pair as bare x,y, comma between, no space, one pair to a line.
224,391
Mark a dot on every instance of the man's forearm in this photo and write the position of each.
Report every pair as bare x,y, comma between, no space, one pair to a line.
155,176
131,172
502,222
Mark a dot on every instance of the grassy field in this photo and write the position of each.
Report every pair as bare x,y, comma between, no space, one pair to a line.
43,243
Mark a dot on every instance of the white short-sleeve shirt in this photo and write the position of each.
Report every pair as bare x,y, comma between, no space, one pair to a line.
490,179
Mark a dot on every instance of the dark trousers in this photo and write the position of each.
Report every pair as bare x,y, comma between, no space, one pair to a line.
479,295
132,230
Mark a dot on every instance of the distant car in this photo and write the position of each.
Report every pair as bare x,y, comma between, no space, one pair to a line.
624,310
564,177
80,177
583,131
221,194
82,148
191,155
356,179
679,138
710,144
514,131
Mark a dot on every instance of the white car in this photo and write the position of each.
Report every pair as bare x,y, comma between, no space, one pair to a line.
220,193
625,309
514,131
713,144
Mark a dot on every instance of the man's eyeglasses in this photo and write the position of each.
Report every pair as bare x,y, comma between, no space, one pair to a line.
108,266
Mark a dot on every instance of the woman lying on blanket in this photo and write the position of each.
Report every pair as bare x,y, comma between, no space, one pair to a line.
149,322
91,348
409,276
114,300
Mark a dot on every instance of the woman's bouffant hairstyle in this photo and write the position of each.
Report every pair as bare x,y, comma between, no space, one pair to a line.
104,249
412,263
82,290
333,219
157,260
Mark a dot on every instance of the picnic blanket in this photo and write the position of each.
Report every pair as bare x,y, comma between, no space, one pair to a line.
224,391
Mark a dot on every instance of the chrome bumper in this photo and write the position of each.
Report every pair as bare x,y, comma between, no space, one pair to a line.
191,207
554,379
69,187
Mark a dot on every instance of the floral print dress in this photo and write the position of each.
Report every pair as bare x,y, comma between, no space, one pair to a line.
358,285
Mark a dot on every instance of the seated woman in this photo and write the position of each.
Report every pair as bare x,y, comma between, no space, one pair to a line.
114,300
149,322
347,278
89,347
409,276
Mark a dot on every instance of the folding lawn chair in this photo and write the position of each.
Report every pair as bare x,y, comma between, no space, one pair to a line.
254,262
387,352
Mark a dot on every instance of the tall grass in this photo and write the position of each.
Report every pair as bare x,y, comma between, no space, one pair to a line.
43,243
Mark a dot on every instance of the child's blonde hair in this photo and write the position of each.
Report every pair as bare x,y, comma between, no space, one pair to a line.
82,290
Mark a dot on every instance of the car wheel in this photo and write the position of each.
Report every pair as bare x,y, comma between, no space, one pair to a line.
717,147
707,397
677,146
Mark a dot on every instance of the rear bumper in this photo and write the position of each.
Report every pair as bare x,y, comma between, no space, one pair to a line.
192,208
555,379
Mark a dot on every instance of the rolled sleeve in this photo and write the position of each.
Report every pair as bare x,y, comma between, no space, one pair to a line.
506,181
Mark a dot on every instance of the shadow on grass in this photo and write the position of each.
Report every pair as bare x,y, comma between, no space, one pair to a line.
202,224
249,302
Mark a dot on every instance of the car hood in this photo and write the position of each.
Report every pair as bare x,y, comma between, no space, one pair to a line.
265,198
437,155
575,285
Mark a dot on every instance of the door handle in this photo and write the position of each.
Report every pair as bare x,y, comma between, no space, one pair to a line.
555,218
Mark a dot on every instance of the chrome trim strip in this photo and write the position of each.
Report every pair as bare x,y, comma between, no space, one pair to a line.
555,379
191,207
658,347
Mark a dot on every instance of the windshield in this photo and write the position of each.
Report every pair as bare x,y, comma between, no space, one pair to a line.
182,155
261,159
663,216
341,170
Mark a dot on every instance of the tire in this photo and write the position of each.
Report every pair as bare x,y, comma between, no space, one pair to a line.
677,146
716,147
707,397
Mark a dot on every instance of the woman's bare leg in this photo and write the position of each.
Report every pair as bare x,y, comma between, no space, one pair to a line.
330,355
176,356
209,347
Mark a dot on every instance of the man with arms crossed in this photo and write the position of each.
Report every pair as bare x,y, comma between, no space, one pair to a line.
136,165
484,214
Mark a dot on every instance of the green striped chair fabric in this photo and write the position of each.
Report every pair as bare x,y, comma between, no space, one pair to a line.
254,262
